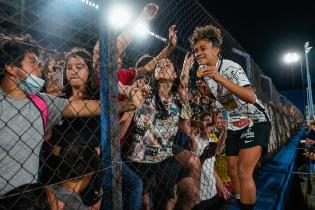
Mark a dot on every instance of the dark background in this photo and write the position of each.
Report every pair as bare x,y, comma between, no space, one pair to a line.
267,30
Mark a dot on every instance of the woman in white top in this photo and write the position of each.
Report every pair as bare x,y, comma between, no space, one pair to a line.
210,183
249,126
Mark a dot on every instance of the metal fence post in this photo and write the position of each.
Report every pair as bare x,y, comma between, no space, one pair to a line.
112,198
307,49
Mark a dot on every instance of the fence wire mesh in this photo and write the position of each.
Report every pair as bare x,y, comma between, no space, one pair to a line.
161,138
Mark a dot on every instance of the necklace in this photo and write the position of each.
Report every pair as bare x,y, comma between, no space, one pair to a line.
166,102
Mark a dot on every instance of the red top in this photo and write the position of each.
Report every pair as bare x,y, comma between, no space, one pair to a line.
126,76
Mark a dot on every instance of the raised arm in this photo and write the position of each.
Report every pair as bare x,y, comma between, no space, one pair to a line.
149,12
172,41
221,142
187,65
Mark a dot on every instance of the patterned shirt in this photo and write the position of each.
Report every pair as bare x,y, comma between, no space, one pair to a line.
236,108
154,131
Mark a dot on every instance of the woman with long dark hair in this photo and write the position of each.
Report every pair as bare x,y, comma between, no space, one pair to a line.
153,155
79,75
79,84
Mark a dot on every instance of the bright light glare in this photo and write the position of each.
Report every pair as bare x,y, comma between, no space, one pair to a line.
291,57
90,3
119,16
142,29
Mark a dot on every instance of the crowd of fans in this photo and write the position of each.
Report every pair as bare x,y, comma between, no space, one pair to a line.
309,142
172,135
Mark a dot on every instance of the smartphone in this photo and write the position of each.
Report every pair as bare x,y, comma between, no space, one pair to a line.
57,75
211,147
209,151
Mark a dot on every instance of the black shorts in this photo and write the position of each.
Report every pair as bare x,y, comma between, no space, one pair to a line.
163,175
248,137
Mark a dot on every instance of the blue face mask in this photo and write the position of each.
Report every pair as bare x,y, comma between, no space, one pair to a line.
71,199
32,84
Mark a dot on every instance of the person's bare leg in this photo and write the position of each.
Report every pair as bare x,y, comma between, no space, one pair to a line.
188,195
232,171
190,161
170,203
247,161
189,187
146,201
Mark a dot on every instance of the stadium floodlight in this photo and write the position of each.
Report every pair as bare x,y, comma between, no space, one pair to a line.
307,47
119,16
90,3
142,29
291,57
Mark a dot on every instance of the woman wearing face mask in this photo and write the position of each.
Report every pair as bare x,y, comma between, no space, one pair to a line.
79,83
152,154
248,126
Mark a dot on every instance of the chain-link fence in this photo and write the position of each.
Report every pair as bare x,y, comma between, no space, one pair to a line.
148,135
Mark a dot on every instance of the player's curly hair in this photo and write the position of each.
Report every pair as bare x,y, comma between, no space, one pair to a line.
209,32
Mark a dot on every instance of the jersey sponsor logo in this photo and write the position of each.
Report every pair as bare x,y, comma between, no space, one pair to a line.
248,134
248,141
242,123
231,104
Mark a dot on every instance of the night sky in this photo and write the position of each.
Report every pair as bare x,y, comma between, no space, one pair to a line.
268,30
